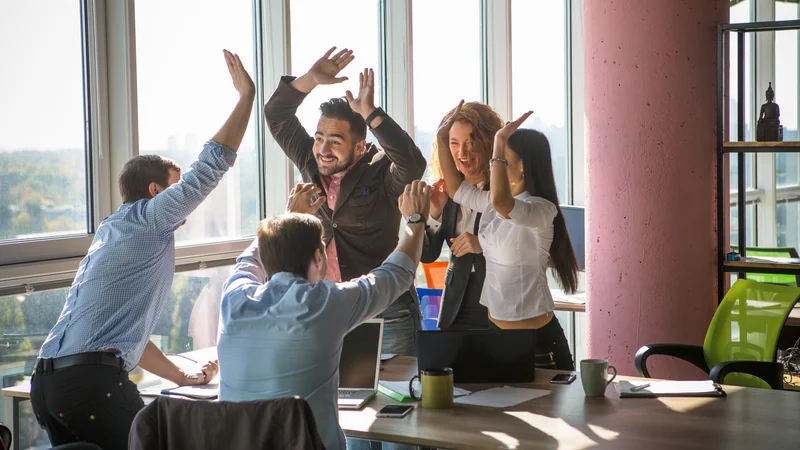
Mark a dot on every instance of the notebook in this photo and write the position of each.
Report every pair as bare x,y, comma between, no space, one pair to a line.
652,389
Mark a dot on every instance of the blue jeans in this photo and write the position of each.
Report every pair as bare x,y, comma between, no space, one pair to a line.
402,320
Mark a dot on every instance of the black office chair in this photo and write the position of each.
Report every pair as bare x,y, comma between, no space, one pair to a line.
5,437
77,446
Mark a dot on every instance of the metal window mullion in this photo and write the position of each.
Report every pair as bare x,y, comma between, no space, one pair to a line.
399,67
496,55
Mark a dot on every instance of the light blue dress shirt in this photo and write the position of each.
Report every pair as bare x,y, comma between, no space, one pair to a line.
285,337
123,282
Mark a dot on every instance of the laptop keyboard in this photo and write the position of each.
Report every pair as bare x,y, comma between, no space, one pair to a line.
346,392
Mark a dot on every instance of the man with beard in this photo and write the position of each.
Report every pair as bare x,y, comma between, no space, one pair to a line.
361,182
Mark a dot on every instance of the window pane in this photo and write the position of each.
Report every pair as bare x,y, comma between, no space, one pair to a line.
309,17
751,225
189,322
788,218
185,94
543,91
42,144
445,71
787,165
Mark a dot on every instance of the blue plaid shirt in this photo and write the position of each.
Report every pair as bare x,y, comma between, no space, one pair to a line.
123,282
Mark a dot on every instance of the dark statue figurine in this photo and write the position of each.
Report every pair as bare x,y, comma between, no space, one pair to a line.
769,127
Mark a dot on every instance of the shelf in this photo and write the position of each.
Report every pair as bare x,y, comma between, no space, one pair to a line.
760,147
760,266
762,26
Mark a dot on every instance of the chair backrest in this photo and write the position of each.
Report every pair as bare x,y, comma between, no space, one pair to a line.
430,301
747,325
5,437
435,273
777,252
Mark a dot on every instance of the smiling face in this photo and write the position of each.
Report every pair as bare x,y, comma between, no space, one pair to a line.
334,148
461,147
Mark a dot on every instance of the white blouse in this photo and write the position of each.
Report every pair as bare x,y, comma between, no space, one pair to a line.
517,252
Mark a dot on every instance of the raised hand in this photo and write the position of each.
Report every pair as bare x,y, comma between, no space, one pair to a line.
415,199
241,79
506,132
438,198
324,71
300,199
443,133
364,104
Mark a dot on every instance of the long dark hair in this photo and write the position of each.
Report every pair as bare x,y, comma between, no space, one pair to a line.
534,150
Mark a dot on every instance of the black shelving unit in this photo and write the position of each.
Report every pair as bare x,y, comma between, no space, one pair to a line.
740,148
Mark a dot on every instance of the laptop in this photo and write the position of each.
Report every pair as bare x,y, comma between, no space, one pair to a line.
480,356
360,364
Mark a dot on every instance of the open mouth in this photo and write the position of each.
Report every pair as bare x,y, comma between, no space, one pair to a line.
464,163
327,159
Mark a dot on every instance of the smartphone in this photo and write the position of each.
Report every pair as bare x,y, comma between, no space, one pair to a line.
395,411
563,378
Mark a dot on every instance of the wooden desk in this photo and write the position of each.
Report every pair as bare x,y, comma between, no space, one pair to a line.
747,419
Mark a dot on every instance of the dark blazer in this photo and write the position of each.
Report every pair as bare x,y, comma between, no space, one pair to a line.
177,424
366,219
458,270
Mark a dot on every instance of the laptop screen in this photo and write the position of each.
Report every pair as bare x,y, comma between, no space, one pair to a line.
361,353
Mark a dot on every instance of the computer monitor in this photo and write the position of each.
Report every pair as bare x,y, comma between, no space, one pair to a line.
575,217
360,362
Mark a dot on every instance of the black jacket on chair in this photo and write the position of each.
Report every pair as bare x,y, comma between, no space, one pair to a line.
458,270
177,424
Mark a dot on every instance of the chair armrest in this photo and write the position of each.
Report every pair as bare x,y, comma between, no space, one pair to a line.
690,353
770,372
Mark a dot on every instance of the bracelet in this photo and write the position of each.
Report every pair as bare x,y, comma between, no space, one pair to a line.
377,112
502,160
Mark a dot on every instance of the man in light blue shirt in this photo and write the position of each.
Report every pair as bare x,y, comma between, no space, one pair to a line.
282,324
80,389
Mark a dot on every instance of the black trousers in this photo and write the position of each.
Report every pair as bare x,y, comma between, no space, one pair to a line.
552,347
471,314
86,403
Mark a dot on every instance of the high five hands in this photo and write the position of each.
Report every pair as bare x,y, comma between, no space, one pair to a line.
300,199
364,104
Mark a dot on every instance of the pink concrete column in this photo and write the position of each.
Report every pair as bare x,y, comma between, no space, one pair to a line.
651,166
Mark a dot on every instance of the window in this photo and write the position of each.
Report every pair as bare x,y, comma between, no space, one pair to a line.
751,225
189,322
447,62
43,146
787,165
544,91
355,27
185,94
788,218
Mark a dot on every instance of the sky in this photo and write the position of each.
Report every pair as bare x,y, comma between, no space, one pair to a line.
184,90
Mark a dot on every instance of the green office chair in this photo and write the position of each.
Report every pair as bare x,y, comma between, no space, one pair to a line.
776,252
742,339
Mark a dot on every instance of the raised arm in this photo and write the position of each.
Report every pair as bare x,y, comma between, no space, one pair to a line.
452,177
502,200
368,296
408,163
169,209
281,108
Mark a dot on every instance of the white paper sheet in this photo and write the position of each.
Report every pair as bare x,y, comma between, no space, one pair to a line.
503,397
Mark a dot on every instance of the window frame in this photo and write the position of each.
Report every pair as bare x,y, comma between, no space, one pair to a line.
111,115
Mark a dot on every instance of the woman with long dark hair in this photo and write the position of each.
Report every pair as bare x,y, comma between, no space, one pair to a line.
522,233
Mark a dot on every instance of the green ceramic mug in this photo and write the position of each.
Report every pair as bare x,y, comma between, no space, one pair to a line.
594,376
437,388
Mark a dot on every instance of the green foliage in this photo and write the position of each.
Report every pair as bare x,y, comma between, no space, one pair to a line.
42,191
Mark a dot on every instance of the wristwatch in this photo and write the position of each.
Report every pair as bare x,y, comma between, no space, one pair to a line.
416,218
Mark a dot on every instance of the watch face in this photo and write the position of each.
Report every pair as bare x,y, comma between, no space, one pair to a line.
414,218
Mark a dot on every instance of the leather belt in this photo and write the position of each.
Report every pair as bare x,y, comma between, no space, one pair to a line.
47,365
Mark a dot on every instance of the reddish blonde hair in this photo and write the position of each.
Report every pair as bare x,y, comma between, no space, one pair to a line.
485,123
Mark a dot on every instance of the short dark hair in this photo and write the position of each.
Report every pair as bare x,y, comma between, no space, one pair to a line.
137,174
286,243
338,108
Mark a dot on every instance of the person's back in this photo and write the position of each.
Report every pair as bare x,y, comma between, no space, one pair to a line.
285,337
294,349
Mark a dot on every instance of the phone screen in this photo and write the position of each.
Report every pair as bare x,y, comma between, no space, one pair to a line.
395,410
563,378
